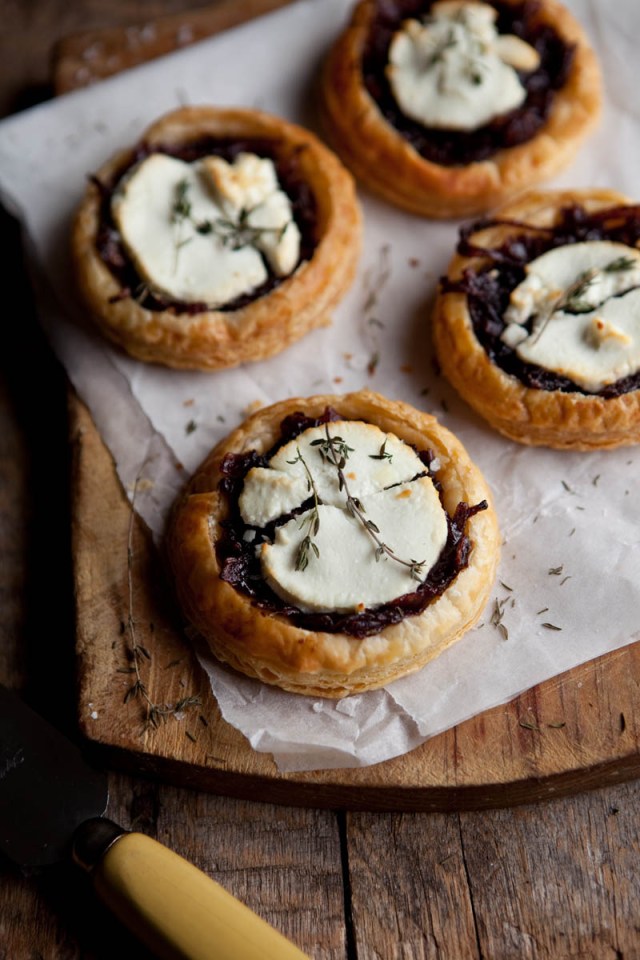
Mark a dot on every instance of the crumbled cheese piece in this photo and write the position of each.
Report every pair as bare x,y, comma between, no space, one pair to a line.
577,313
454,71
243,184
278,237
517,53
198,232
250,184
268,494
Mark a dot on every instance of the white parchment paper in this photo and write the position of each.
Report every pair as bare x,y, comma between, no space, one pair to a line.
569,584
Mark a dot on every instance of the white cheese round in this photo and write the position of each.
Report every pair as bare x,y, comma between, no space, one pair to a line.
198,232
577,313
345,569
454,71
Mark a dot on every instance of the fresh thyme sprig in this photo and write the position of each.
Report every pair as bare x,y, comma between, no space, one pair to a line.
473,63
181,209
311,519
240,234
374,281
335,450
155,713
233,234
620,263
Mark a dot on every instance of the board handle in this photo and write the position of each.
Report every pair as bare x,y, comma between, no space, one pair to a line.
172,907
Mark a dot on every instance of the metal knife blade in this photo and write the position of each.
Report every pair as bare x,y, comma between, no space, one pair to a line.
50,805
47,789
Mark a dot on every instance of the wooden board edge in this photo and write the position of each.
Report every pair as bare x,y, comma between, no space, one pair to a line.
292,791
86,57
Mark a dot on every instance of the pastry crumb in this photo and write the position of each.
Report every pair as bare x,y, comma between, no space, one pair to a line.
253,407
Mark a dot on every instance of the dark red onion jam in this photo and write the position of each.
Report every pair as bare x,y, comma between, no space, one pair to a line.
112,250
489,287
241,568
454,147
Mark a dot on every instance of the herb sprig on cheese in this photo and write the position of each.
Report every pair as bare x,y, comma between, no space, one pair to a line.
336,451
577,313
208,231
351,506
454,70
232,233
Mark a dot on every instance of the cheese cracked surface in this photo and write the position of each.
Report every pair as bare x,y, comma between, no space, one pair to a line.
454,71
577,313
343,572
200,232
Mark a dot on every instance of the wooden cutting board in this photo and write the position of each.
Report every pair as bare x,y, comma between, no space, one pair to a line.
577,731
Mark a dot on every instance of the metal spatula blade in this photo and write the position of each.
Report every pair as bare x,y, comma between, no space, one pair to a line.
47,789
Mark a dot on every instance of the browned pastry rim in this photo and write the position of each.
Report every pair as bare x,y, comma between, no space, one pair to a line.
553,418
387,163
265,644
214,339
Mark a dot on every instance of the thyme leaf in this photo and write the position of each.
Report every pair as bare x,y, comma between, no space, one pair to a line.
621,263
383,454
311,519
181,209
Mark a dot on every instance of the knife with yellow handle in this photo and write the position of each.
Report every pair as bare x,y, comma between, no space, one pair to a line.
50,806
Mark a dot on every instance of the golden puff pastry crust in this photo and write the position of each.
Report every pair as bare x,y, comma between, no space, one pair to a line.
384,161
266,645
212,339
552,418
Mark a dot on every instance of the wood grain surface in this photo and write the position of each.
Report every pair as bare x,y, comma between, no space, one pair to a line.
575,731
544,881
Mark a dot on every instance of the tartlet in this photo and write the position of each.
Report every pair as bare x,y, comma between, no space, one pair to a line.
443,173
215,557
590,400
121,277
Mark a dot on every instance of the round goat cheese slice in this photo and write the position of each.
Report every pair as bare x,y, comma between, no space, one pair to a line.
372,524
454,71
577,313
204,232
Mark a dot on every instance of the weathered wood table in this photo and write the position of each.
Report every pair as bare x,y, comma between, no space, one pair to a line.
427,877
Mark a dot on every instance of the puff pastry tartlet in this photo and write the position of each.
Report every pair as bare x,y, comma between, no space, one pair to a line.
451,108
327,586
537,323
221,237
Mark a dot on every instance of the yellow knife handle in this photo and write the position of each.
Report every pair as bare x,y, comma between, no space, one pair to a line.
178,911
